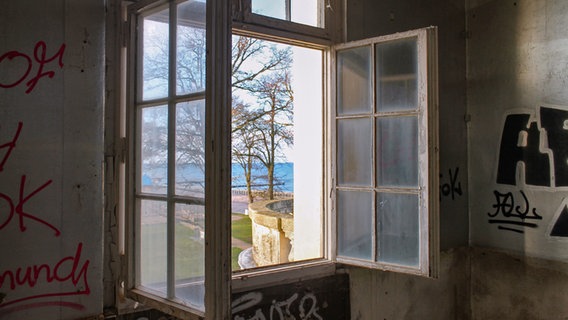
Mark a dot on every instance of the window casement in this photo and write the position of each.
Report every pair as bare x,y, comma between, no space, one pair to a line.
386,152
376,149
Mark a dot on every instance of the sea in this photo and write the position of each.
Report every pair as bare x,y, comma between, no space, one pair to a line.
193,175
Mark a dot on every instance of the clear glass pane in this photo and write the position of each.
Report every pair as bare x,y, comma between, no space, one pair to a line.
354,93
271,8
190,148
397,75
155,52
355,224
154,150
397,151
153,245
307,12
398,229
190,254
190,70
354,152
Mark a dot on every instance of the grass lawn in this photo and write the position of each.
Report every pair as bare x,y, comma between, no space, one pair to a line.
242,228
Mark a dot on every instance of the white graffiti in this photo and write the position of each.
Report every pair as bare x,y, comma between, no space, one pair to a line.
279,310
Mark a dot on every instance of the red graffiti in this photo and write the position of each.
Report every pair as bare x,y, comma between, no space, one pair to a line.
10,145
71,270
19,208
14,208
39,57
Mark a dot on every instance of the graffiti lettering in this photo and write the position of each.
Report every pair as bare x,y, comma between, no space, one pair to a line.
69,270
10,145
40,58
522,141
506,207
279,310
452,187
9,208
19,208
66,277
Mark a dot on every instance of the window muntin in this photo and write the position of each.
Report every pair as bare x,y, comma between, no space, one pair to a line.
386,152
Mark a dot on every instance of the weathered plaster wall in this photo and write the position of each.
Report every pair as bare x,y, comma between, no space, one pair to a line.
387,295
51,159
518,102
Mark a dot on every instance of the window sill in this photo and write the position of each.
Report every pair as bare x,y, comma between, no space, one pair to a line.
273,275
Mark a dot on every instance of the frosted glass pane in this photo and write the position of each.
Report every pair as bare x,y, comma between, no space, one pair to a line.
155,55
397,151
190,148
154,150
153,245
190,253
190,70
354,93
354,158
355,224
396,75
397,227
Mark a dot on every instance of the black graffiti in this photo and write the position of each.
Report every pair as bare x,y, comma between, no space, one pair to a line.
506,207
451,188
521,143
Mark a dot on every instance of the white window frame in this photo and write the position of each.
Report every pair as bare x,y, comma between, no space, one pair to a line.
220,281
428,159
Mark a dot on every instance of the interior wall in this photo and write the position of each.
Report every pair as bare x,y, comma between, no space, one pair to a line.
387,295
51,159
518,104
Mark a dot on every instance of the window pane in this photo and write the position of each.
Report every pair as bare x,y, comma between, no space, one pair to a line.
397,227
190,253
190,71
306,12
355,224
153,245
154,149
190,148
397,151
354,93
155,55
270,8
396,74
354,147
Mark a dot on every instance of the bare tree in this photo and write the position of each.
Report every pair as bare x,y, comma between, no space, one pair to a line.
259,72
275,128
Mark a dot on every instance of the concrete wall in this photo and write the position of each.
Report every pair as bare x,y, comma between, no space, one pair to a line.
51,159
387,295
518,103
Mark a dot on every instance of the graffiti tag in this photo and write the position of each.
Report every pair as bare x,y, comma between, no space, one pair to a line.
26,63
50,277
515,213
451,187
11,207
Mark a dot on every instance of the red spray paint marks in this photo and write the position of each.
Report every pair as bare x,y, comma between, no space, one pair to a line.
39,59
65,277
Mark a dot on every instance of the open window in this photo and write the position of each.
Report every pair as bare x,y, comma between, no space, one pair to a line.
358,129
386,155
